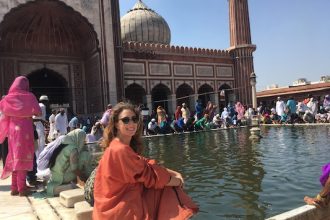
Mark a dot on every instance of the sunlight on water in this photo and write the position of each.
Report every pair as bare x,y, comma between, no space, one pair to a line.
232,178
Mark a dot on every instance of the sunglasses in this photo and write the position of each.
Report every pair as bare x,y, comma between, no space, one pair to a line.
126,120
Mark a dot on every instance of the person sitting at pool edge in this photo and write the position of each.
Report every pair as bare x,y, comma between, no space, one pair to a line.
322,199
129,186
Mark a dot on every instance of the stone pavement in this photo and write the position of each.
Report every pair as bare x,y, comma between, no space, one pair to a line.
36,206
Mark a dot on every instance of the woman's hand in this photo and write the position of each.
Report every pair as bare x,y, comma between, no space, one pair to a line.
174,181
180,178
176,178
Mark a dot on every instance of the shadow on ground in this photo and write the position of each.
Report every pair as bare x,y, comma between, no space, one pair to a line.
5,188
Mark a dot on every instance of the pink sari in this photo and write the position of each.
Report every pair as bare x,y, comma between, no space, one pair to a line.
16,111
240,110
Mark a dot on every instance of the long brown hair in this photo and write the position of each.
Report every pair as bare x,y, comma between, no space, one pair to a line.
110,132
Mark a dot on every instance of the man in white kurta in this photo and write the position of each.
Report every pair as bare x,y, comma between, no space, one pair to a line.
280,106
52,131
185,113
39,123
61,123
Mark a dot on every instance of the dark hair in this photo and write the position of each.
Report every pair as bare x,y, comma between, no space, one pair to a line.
110,131
56,152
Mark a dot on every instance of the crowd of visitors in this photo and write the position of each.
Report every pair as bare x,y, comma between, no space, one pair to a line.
290,111
309,110
124,184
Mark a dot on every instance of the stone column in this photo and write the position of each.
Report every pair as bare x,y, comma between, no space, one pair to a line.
253,82
241,48
216,101
111,54
172,104
254,97
196,97
149,103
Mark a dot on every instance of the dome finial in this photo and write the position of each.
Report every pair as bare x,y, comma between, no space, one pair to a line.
140,5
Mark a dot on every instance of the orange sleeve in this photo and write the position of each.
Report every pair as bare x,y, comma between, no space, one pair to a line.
132,168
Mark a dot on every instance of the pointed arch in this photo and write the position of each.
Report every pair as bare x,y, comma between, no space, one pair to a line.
48,82
226,95
184,94
51,33
160,96
47,27
204,93
136,94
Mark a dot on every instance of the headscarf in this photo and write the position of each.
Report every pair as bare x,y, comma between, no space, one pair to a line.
326,102
19,102
273,111
76,137
178,113
225,113
325,174
240,110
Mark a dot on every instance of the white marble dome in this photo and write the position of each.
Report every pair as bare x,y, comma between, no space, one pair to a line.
142,24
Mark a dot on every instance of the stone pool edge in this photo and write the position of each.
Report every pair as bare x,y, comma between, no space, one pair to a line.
306,212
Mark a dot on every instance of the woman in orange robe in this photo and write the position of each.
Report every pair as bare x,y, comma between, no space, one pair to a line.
129,186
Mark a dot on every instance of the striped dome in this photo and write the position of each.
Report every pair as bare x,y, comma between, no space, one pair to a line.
142,24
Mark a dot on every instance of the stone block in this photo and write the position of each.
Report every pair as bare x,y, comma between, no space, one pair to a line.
69,197
83,211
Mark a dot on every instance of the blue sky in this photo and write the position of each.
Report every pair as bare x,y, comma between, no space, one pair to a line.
292,36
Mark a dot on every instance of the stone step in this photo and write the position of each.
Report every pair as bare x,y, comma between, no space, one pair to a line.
43,209
63,212
69,197
83,211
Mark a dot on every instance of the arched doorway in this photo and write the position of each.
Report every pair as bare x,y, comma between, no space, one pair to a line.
183,94
159,96
226,96
205,92
51,34
135,94
48,82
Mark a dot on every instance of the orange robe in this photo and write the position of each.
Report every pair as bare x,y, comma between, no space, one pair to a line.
128,186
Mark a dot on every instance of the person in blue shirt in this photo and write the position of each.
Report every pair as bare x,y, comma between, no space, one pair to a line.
291,105
198,109
74,123
177,125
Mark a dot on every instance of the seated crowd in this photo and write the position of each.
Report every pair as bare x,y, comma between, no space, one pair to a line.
308,110
202,118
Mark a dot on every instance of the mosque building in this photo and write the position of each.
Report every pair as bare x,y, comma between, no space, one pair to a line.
81,53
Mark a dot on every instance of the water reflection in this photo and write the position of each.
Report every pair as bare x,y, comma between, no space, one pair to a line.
233,178
222,169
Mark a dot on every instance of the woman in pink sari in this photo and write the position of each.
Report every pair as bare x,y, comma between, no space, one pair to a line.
16,111
239,108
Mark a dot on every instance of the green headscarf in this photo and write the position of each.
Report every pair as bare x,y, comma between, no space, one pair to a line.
76,137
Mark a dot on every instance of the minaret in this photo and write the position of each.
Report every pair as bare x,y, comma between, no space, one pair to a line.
241,49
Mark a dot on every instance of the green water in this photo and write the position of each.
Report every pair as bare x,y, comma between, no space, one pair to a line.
232,178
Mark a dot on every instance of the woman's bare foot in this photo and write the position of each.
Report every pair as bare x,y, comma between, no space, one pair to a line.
314,201
25,192
14,192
